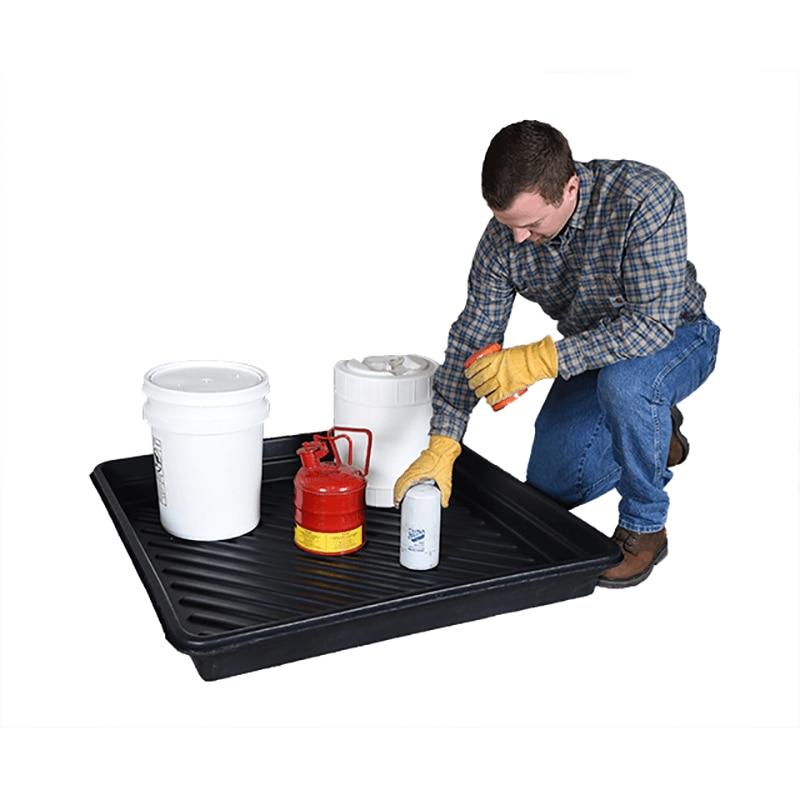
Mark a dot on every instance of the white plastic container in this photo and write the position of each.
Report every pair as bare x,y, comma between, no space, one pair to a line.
390,395
207,420
420,521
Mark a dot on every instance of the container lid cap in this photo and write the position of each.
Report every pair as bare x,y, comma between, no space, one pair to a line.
205,383
385,381
410,366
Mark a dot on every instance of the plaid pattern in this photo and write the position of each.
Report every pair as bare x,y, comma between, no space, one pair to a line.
616,279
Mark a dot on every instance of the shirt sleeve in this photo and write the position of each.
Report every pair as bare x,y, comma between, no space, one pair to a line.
490,297
653,275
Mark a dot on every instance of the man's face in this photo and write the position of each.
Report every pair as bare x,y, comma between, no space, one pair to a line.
533,220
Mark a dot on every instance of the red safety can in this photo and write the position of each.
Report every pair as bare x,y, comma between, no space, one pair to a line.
329,496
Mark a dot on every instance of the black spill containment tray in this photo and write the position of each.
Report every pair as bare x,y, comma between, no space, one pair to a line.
258,600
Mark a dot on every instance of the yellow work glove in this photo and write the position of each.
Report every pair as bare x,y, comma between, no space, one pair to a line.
499,375
434,463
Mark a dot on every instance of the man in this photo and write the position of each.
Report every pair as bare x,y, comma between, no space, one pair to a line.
601,247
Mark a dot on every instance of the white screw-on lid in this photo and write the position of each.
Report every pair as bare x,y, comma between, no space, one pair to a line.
385,380
205,383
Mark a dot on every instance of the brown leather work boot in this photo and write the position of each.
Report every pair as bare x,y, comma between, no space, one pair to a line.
640,551
678,444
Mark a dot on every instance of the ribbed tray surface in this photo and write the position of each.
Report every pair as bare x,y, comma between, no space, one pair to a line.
262,577
258,600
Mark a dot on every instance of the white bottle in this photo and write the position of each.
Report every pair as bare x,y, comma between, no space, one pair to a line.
420,518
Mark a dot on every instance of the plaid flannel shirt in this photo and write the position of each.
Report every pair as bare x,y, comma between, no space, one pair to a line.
616,278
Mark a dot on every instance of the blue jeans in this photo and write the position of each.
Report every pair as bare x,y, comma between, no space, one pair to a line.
611,427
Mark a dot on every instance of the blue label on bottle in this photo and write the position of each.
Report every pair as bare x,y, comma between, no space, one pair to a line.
416,539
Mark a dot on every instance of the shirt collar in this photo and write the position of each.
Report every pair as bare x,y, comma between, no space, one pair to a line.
586,179
578,218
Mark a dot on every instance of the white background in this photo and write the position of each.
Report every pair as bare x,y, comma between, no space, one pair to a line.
292,185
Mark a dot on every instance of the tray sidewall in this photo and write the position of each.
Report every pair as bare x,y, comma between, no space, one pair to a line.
280,449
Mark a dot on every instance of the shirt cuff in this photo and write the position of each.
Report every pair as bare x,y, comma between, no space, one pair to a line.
447,426
571,360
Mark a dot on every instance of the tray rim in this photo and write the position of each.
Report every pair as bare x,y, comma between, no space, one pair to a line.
191,644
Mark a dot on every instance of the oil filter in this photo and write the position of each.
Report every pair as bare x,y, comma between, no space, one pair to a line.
420,520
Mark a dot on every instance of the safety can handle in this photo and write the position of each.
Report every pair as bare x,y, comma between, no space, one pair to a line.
355,430
332,439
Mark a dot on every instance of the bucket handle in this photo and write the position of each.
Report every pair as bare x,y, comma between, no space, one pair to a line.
335,428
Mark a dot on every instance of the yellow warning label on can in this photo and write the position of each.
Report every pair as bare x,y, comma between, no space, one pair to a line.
328,542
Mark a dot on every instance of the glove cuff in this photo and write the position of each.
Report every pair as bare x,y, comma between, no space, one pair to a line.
549,356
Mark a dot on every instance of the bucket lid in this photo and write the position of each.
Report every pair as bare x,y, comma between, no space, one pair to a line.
387,367
391,380
205,383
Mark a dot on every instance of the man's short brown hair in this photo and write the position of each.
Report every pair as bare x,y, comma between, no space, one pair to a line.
527,156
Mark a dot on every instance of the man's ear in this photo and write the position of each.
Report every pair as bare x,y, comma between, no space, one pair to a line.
572,184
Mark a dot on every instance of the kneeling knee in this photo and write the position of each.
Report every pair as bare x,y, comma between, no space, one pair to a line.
619,387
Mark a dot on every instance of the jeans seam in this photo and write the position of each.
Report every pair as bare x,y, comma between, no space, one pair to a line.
679,359
579,491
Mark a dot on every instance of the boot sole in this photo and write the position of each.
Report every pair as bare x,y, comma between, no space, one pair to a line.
623,583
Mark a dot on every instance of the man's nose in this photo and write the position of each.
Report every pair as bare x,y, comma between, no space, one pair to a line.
521,234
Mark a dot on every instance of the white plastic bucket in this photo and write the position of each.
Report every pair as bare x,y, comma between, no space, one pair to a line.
390,395
207,420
